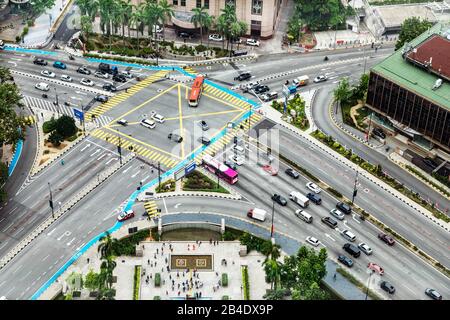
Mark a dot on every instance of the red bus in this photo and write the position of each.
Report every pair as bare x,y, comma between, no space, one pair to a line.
196,91
219,169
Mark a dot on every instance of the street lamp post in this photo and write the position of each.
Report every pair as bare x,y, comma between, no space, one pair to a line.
368,283
273,214
368,128
56,98
355,191
50,201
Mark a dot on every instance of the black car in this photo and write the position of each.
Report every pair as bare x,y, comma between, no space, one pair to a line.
243,76
119,78
345,208
291,172
185,35
237,53
261,88
84,70
109,87
101,98
329,222
40,62
379,132
386,286
205,141
352,249
346,261
314,197
279,199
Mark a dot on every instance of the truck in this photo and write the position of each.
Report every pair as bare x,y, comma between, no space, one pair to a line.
257,214
301,81
108,68
299,199
292,89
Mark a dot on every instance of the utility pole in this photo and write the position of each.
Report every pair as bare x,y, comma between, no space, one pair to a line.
50,201
368,283
273,213
365,60
84,122
159,175
368,129
119,149
56,101
355,191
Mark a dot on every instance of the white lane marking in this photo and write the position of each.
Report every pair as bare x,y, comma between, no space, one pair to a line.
134,175
12,62
24,200
86,147
145,178
124,171
28,273
50,233
110,160
7,293
328,236
81,92
8,226
1,284
70,242
14,209
17,269
45,258
96,151
165,207
102,156
4,244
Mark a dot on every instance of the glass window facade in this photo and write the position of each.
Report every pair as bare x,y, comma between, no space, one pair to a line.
206,4
183,3
198,3
175,2
257,7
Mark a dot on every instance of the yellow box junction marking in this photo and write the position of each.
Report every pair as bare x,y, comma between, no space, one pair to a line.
152,209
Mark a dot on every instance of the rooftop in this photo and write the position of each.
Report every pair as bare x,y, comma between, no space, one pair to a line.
413,78
394,15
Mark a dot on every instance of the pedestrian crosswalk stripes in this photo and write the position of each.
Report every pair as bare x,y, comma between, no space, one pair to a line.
222,95
112,102
148,153
152,209
190,70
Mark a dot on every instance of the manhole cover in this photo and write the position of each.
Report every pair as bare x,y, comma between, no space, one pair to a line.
160,90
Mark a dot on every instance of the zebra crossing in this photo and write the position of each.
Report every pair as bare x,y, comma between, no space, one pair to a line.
190,70
114,101
152,209
37,103
223,142
224,96
145,152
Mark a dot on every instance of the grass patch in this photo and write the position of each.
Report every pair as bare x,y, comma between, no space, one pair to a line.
127,246
245,283
357,283
167,186
137,282
197,181
224,282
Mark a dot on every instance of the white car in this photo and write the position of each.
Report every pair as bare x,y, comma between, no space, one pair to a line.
42,86
312,241
236,159
253,42
101,74
337,214
67,78
148,123
365,248
126,215
123,122
313,187
251,85
127,74
158,118
47,73
215,37
87,82
320,78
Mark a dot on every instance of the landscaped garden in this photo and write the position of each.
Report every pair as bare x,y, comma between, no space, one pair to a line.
197,181
295,111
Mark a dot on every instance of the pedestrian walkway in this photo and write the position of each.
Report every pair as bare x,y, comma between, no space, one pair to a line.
225,97
151,208
147,152
114,101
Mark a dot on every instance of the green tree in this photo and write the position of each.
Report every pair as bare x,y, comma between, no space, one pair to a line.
276,294
221,27
343,91
107,243
293,31
229,17
168,12
65,126
39,6
55,138
237,30
92,280
10,122
86,27
198,19
320,15
360,91
137,19
411,28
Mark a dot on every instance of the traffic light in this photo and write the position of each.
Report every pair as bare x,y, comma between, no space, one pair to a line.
235,140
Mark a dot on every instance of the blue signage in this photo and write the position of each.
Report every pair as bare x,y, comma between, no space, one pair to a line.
189,168
79,114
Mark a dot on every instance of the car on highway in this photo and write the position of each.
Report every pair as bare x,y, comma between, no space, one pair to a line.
84,70
347,234
175,137
252,42
205,141
243,76
301,214
266,97
87,82
250,85
236,159
157,117
185,35
42,86
204,125
47,73
329,222
215,37
101,74
376,268
379,133
109,87
352,250
345,261
433,294
59,65
65,77
386,286
126,215
343,207
101,98
312,241
292,173
270,170
230,164
365,248
119,78
123,122
261,88
40,62
337,214
384,237
320,78
127,74
279,199
313,187
148,123
314,197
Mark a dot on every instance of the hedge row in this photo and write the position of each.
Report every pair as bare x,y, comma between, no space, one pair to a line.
224,282
422,176
137,282
124,59
127,246
357,283
157,280
245,283
334,192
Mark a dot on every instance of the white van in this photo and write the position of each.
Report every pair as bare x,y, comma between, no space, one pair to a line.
158,118
303,215
257,214
42,86
298,198
348,235
239,149
148,123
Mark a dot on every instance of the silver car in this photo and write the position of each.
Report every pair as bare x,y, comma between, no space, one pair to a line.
365,248
337,214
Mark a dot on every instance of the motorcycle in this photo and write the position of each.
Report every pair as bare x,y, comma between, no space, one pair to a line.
71,57
44,95
287,82
326,58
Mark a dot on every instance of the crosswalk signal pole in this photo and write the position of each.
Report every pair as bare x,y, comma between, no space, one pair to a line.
50,201
355,191
119,149
159,175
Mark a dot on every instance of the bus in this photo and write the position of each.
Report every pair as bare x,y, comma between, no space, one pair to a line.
220,169
196,91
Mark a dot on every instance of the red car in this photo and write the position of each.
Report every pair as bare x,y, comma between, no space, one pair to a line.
126,215
376,268
389,240
267,168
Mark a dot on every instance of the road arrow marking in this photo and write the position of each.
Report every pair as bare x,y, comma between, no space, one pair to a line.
328,236
345,222
70,242
86,147
76,98
177,205
81,92
50,233
96,151
110,160
354,218
124,171
134,175
12,62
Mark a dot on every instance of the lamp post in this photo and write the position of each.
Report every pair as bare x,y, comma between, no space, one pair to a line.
50,201
273,214
355,191
368,283
56,98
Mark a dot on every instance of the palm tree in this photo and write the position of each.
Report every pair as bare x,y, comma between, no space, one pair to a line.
153,14
208,23
137,18
237,29
229,14
84,6
199,18
86,26
222,27
105,248
127,12
167,11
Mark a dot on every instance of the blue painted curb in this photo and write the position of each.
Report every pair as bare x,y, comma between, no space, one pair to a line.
35,51
16,157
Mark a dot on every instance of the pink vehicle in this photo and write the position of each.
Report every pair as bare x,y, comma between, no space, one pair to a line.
376,268
220,169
